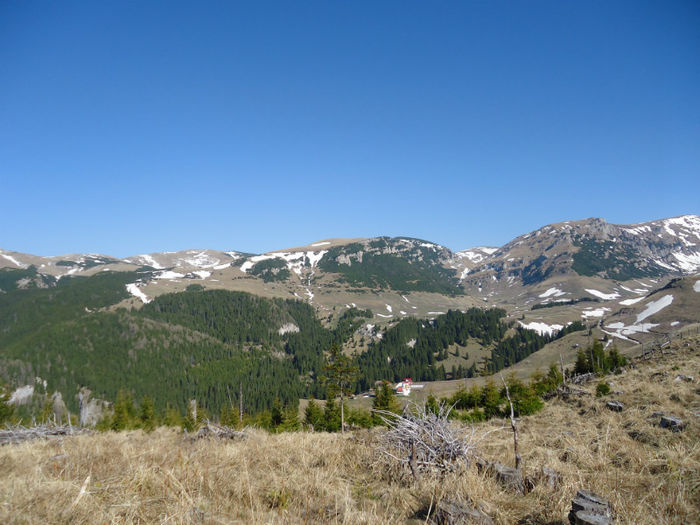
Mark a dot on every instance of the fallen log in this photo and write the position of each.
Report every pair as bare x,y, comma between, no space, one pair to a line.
218,431
19,434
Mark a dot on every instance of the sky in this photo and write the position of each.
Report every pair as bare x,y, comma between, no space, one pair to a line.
135,127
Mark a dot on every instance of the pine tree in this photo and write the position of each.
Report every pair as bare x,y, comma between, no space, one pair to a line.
290,419
276,414
340,376
313,415
147,414
7,411
491,399
172,418
384,400
581,366
230,416
123,411
331,416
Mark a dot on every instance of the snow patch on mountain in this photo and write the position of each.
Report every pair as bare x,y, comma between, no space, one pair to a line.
688,226
199,259
604,296
388,307
622,330
169,274
476,255
629,302
634,290
638,230
295,260
688,263
323,243
12,260
315,257
655,307
555,292
542,328
696,286
134,290
594,312
202,274
150,261
288,328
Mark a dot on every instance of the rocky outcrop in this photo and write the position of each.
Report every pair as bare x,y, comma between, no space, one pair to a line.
588,508
91,410
454,513
673,423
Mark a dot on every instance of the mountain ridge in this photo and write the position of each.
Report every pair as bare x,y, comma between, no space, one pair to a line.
583,260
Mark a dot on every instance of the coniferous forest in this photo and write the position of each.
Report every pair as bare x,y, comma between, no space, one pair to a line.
218,345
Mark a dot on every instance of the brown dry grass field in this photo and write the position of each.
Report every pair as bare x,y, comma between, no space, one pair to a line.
648,473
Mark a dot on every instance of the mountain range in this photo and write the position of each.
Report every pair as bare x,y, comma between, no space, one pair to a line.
197,321
576,255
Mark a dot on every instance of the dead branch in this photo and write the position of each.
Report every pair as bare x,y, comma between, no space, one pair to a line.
218,431
424,441
513,425
19,434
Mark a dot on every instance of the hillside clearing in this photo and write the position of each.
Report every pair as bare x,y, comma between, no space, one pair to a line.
650,474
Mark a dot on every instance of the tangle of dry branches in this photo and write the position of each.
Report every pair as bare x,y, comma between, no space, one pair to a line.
425,441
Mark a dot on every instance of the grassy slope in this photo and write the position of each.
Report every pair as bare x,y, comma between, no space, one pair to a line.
329,478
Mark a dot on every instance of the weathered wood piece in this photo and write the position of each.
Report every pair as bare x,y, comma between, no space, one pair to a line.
509,478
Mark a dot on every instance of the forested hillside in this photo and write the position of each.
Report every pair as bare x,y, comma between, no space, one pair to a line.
397,263
215,344
414,347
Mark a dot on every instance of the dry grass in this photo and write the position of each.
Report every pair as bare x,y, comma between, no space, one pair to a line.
650,475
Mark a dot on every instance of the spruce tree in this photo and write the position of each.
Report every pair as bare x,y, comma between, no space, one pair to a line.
147,414
7,411
384,400
313,415
340,376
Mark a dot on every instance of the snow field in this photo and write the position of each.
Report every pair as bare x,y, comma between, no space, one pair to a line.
556,292
597,312
542,328
655,307
604,296
295,260
134,290
629,302
12,260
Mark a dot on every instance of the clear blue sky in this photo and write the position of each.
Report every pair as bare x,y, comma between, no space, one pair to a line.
131,127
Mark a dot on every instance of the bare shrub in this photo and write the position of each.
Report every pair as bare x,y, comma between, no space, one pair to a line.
425,441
